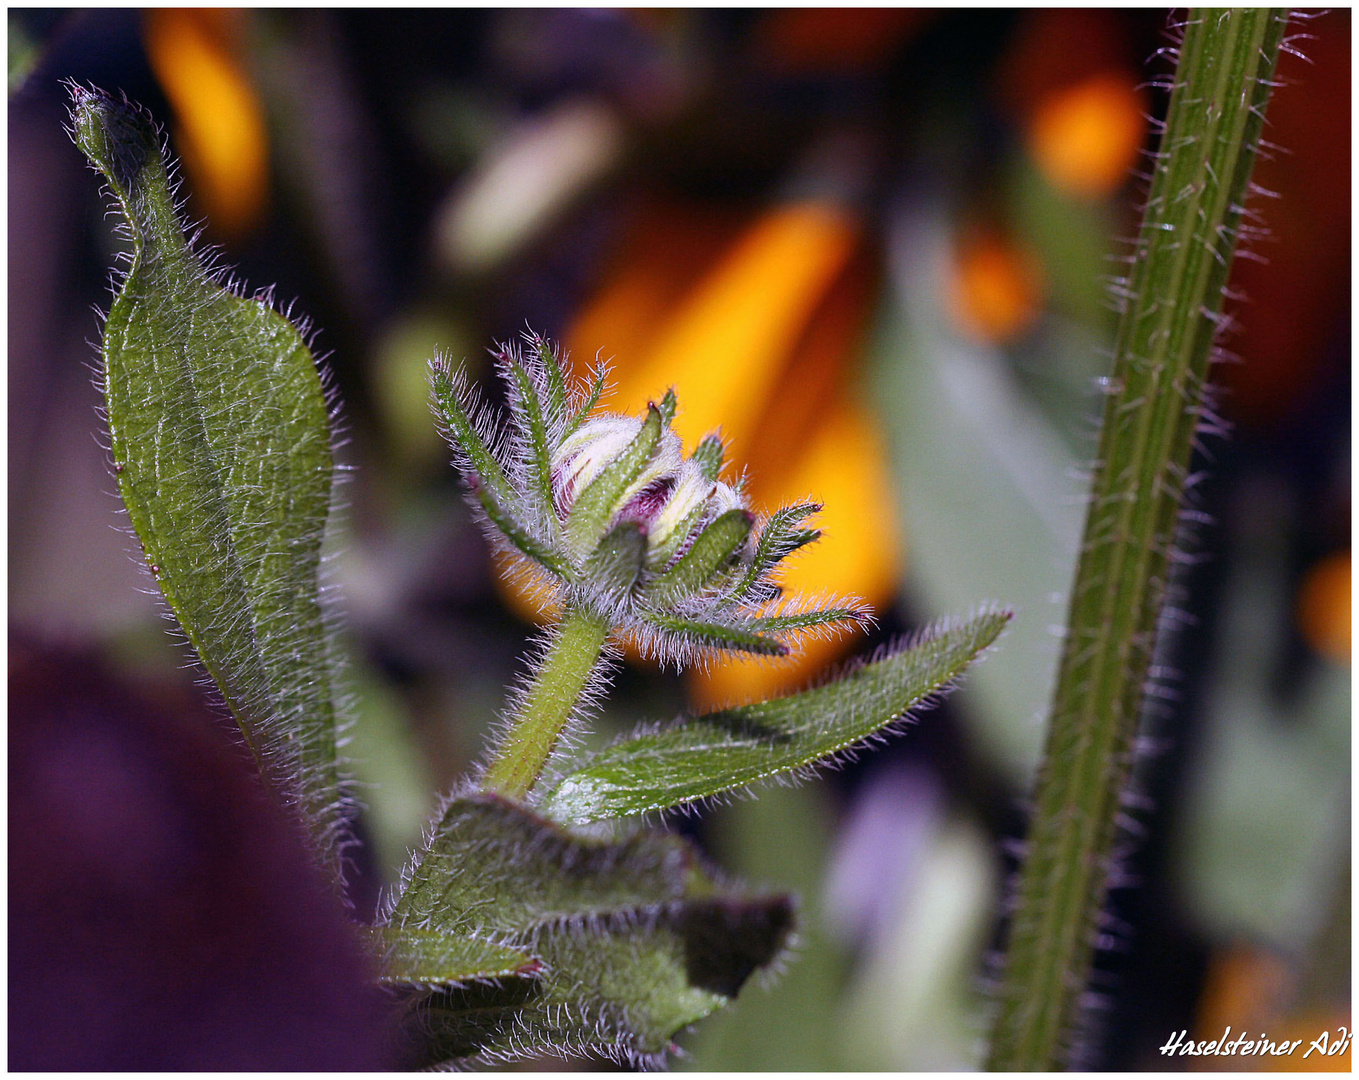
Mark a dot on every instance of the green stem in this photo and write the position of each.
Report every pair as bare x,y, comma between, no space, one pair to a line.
551,698
1162,355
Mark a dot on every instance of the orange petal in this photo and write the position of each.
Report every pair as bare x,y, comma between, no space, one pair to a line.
724,347
221,130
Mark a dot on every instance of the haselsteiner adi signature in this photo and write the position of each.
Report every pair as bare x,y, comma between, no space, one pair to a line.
1179,1045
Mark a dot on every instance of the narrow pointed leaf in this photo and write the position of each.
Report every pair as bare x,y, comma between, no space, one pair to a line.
779,538
711,550
515,532
594,506
669,404
635,939
220,435
697,758
718,635
809,620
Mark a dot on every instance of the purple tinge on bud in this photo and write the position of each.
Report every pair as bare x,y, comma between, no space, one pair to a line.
664,499
644,507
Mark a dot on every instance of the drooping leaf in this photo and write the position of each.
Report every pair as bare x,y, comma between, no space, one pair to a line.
634,938
695,758
220,436
616,564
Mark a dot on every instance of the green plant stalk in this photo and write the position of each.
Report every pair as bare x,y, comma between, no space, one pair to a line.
1165,338
547,706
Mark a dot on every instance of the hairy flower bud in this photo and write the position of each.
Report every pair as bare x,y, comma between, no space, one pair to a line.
671,500
609,513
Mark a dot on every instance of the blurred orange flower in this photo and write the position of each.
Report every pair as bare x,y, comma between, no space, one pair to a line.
219,121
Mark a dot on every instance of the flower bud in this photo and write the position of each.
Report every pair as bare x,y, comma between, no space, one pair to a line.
671,499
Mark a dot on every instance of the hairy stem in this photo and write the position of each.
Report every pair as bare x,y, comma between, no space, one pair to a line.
552,696
1189,231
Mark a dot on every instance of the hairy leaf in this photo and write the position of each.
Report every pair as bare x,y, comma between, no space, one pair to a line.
527,407
698,757
634,938
412,956
219,430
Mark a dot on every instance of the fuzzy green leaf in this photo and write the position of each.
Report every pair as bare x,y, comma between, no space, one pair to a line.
635,939
809,620
462,433
556,377
590,514
711,550
700,757
220,435
415,957
668,407
588,402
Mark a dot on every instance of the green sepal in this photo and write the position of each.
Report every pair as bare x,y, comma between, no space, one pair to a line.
710,552
635,937
515,533
463,433
588,404
739,638
668,406
696,758
220,436
708,457
616,564
779,538
556,377
527,410
594,507
808,620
